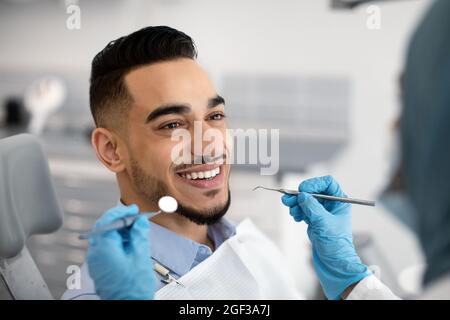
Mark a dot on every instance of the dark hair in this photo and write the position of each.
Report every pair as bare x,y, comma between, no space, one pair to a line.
108,94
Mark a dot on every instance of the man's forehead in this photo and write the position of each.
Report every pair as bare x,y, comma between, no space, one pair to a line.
174,81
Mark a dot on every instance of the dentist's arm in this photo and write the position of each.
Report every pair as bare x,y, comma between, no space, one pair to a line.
338,266
119,261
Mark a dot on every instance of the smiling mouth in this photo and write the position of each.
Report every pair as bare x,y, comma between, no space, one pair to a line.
205,176
201,175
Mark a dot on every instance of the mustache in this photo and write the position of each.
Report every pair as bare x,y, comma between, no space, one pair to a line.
203,159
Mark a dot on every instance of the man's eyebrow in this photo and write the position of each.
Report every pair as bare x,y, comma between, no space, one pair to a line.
179,108
168,109
214,102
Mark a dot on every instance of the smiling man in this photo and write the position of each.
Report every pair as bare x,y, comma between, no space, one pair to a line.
140,104
145,87
166,95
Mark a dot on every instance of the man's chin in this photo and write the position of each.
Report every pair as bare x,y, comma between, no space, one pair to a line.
205,216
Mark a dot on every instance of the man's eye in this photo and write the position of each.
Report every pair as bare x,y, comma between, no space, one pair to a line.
217,116
172,125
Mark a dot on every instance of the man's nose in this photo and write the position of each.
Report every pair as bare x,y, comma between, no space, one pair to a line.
203,148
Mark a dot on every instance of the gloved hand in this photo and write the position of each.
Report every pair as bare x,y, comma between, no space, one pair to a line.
119,262
330,230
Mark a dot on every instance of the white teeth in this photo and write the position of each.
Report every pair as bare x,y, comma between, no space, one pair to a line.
202,174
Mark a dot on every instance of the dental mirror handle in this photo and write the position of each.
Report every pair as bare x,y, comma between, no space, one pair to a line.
116,225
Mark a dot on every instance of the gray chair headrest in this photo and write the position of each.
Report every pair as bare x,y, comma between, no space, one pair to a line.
28,203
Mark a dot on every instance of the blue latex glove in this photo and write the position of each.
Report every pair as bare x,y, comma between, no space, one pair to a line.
119,261
330,230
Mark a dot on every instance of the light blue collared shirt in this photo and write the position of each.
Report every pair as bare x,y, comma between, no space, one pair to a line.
179,254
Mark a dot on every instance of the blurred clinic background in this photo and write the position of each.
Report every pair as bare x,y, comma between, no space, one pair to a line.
321,71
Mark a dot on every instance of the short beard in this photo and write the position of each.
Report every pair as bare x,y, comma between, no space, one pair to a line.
153,189
205,217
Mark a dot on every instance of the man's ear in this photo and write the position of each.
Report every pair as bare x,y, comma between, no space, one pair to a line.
106,147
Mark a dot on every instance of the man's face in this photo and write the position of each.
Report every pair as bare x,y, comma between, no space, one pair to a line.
168,96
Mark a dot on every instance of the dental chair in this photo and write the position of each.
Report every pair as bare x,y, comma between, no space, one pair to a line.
28,206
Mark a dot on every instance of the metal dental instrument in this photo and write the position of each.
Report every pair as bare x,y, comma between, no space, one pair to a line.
166,274
322,196
166,204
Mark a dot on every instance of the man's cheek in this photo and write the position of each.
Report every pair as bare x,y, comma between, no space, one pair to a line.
165,162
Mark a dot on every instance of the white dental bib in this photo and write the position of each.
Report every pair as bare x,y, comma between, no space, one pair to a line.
246,266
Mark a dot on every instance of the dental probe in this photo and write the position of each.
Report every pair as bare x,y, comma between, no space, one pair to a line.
322,196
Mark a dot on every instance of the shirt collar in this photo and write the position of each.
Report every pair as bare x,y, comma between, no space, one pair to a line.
178,253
